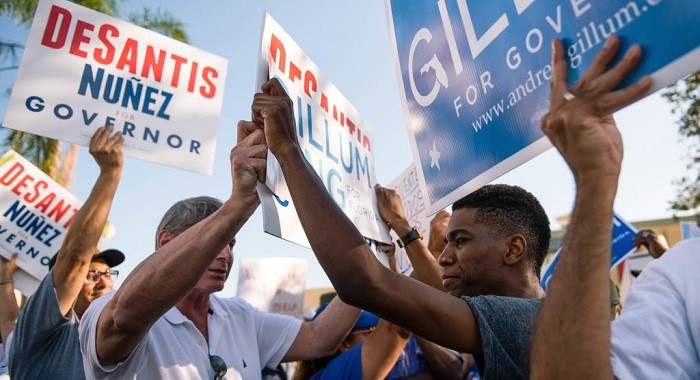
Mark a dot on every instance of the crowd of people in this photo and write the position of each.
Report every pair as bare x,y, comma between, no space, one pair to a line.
471,308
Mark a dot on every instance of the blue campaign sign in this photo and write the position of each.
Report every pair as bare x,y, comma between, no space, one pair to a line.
475,74
622,245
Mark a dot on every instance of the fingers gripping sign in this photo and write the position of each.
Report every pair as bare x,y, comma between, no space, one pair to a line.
391,209
579,122
248,160
106,148
273,111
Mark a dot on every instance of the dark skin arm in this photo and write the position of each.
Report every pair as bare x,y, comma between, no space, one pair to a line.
443,363
655,243
572,335
358,277
425,267
436,239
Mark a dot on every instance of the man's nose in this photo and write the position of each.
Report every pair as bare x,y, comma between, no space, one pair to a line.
446,257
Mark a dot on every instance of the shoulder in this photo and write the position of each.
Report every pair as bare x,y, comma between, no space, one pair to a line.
489,304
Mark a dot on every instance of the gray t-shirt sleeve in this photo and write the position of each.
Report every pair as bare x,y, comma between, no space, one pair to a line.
43,335
506,325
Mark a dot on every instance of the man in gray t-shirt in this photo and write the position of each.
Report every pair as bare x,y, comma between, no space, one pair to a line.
45,344
505,325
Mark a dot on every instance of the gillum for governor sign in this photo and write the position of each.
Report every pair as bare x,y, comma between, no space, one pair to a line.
333,135
82,69
474,75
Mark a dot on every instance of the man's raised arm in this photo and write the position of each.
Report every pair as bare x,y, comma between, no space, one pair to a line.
169,274
80,243
572,336
358,277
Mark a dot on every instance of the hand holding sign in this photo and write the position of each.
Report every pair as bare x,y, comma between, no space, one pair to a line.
272,110
106,148
248,162
581,126
391,210
7,268
654,243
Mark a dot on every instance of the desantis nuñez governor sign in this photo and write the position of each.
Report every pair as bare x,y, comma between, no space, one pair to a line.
82,69
475,74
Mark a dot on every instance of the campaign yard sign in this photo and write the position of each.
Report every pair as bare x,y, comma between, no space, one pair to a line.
35,213
622,246
82,69
274,284
474,75
333,136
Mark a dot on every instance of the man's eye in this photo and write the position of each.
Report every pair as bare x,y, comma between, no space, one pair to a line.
460,241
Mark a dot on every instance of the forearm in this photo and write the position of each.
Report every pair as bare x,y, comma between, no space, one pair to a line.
339,247
86,228
163,279
322,336
81,239
168,274
9,311
572,334
425,268
443,363
382,349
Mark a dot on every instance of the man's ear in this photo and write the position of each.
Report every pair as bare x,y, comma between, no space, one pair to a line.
517,249
163,237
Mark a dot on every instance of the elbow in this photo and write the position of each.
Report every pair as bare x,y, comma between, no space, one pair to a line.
362,290
120,318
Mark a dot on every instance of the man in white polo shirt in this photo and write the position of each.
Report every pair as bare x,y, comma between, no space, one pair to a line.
165,322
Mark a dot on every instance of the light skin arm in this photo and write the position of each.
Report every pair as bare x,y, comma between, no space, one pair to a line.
86,228
572,334
425,267
9,311
169,274
358,277
322,336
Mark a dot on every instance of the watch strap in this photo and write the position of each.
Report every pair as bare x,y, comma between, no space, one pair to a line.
409,237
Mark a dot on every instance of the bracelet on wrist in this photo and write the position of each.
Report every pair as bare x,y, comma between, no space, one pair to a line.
6,282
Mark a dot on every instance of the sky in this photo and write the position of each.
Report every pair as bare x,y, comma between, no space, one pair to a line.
349,42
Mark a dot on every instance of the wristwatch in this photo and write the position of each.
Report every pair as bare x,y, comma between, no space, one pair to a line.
409,237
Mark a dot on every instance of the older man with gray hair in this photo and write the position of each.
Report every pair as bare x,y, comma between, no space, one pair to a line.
165,322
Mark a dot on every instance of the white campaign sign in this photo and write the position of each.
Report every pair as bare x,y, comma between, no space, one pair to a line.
274,284
415,206
82,69
334,137
35,213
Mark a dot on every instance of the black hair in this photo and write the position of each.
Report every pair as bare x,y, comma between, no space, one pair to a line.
511,210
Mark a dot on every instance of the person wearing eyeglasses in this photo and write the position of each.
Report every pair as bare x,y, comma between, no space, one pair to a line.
45,344
166,322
